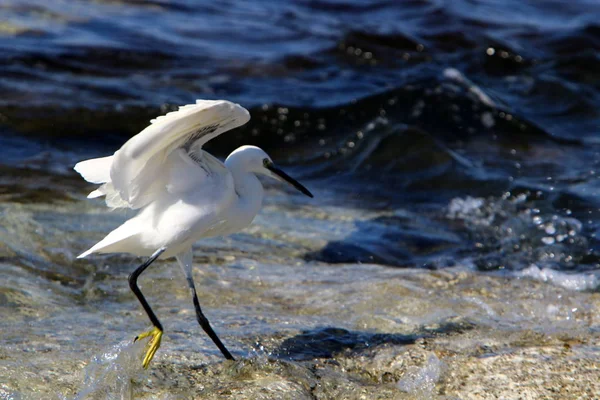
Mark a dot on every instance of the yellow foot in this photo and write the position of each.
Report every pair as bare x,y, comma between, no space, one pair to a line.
155,335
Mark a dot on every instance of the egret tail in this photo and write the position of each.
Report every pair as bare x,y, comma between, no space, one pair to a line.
117,241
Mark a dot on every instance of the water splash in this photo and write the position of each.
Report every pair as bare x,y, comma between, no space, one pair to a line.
110,374
512,233
421,381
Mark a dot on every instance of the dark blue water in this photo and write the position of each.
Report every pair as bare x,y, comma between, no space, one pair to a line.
478,119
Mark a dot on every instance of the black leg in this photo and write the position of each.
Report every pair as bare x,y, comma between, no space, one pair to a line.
203,321
138,293
185,261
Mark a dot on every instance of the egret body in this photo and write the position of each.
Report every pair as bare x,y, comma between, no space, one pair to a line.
183,194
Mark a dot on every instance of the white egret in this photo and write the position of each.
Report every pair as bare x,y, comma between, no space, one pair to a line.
182,193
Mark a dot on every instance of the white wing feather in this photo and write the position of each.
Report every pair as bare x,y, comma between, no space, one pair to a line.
138,164
136,173
96,170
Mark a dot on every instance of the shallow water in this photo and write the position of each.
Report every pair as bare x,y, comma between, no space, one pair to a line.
300,328
451,247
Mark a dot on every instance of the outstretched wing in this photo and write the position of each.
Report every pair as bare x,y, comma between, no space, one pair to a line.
138,164
138,170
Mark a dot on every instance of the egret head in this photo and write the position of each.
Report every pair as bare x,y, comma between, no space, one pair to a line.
254,159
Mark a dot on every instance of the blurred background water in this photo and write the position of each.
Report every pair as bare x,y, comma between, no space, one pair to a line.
440,138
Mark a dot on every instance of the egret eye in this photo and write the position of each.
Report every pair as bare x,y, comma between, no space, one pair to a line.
266,162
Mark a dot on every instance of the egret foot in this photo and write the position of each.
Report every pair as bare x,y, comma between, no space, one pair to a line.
155,335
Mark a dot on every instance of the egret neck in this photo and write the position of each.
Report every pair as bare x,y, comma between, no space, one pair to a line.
248,188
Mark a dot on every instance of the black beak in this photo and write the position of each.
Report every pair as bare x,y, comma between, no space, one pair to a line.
285,177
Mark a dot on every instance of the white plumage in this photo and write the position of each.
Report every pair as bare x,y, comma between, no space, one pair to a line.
136,171
164,172
182,193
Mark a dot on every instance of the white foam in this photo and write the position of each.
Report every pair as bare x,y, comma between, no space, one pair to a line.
469,208
577,282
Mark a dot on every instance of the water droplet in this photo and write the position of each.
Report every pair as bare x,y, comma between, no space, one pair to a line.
548,240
